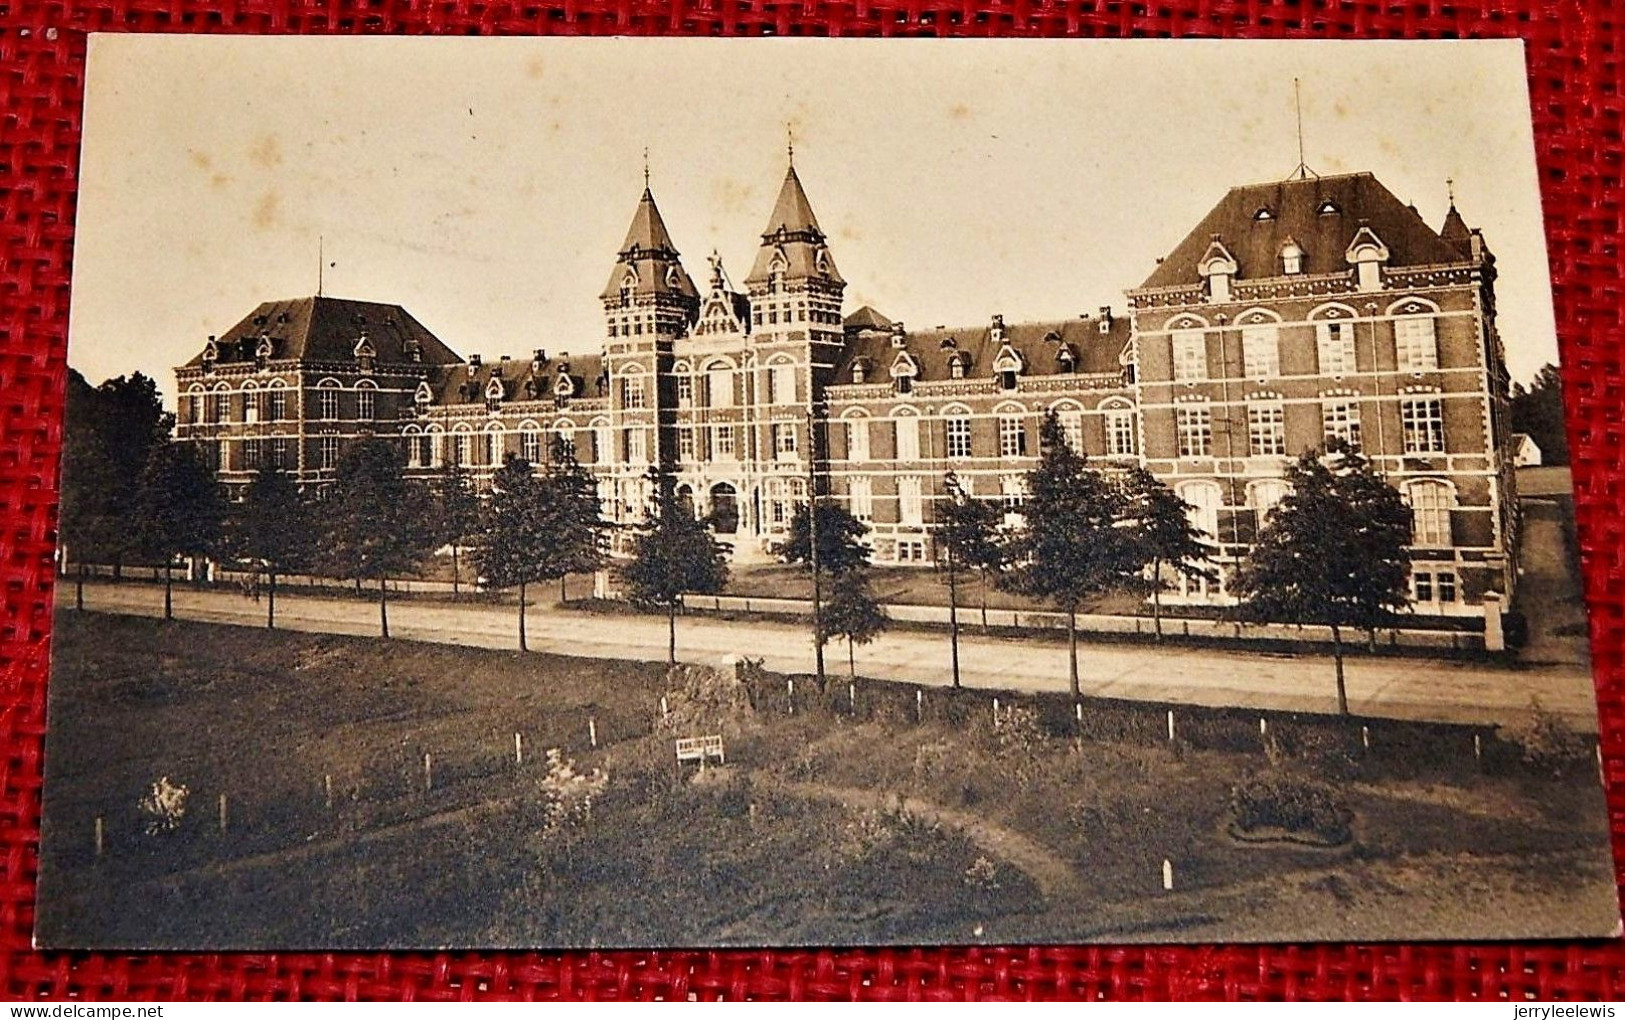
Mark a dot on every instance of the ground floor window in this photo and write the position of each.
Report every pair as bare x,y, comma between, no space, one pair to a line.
911,550
1434,585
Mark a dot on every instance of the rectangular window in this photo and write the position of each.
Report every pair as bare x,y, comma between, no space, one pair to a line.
1340,419
908,438
1266,429
910,504
327,404
1195,427
722,442
497,445
782,384
1424,586
685,390
279,454
251,407
1423,422
366,404
530,446
958,437
217,406
251,455
784,440
279,405
461,450
1416,345
327,452
1261,352
1430,512
911,550
637,447
1120,433
195,408
719,387
685,445
862,499
1435,586
1190,356
1334,341
1012,437
1013,491
632,394
1446,580
1072,426
857,440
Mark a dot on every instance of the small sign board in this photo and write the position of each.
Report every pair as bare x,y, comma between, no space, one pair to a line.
700,749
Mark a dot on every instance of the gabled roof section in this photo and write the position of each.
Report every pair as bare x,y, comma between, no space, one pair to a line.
519,379
1037,344
1322,214
866,318
328,329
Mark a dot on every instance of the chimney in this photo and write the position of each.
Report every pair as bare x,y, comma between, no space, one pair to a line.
473,361
506,358
899,339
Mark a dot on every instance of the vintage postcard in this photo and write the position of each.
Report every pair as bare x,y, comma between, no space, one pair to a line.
730,493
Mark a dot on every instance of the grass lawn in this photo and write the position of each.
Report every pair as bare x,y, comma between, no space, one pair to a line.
861,815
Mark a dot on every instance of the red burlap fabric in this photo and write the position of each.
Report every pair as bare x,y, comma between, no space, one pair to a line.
1574,74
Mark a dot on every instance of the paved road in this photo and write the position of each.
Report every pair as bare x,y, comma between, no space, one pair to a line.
1398,688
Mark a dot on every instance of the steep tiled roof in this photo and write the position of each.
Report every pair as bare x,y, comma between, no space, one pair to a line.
1038,344
650,250
466,383
1321,214
327,329
866,318
793,233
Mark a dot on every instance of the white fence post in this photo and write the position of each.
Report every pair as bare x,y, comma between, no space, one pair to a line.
428,773
518,749
101,830
222,812
1167,875
592,731
1170,725
327,789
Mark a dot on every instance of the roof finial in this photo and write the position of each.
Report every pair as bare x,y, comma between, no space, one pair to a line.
1450,189
790,142
1302,171
321,261
645,168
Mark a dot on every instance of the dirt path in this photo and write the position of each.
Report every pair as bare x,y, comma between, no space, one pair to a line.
1053,876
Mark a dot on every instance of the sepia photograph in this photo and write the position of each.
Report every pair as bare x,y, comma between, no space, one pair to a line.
700,493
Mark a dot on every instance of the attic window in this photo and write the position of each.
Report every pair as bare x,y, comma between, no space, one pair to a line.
858,371
956,367
1067,359
1263,214
1328,208
1291,258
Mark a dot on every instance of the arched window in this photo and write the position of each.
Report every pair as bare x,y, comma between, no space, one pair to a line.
1204,499
908,437
251,404
1120,429
496,445
530,443
277,403
1430,501
719,384
366,401
433,453
327,399
462,447
1264,495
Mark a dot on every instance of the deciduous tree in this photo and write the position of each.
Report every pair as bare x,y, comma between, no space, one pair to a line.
1165,536
178,509
1072,546
853,613
1334,552
967,538
380,525
1537,411
273,527
580,532
672,553
456,514
518,543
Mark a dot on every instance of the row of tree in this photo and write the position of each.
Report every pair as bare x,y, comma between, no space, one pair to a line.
1332,552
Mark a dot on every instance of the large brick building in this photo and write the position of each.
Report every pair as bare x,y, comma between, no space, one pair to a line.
1296,310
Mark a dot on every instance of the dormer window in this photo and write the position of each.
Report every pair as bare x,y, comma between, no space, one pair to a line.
211,354
263,351
860,371
1218,268
365,353
1007,367
956,366
494,393
1291,258
1328,208
564,387
421,398
414,350
903,372
1366,253
1263,215
1067,358
821,261
673,278
629,283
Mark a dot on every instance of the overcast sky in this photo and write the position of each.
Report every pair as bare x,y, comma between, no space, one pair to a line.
485,184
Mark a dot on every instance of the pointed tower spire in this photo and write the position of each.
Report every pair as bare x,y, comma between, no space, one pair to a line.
648,263
1455,229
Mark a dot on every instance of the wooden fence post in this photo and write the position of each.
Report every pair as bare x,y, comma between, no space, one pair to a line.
518,749
101,835
428,773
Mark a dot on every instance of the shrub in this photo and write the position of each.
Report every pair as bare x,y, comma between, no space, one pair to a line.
164,806
1548,742
1295,809
1515,628
982,874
